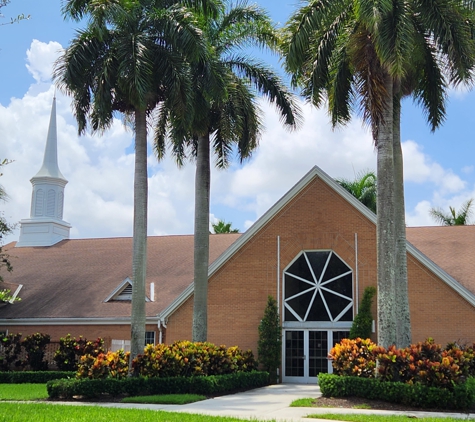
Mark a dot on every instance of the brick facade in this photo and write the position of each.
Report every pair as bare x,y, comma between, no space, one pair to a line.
316,218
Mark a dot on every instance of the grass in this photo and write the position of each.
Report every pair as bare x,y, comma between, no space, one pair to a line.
43,412
165,399
23,392
378,418
306,402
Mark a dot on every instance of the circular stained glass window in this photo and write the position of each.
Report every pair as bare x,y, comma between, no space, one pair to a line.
318,287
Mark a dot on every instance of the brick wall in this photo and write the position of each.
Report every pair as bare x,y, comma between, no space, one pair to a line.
317,218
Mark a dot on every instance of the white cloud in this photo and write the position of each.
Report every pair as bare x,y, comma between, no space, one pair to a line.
468,169
40,59
99,195
420,168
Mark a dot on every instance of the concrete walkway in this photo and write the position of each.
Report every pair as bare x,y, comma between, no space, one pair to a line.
269,403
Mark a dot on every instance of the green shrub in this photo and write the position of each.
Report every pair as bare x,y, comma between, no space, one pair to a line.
185,358
269,345
355,357
461,397
35,345
11,345
134,386
363,322
33,377
66,356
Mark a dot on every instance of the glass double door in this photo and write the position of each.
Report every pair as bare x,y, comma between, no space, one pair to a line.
306,353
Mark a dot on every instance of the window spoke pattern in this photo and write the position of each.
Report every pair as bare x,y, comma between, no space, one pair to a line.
318,287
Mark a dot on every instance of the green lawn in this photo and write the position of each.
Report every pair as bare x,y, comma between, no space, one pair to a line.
165,399
42,412
23,392
46,412
379,418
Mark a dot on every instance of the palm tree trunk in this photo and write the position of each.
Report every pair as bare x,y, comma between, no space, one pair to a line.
385,223
137,342
201,248
403,320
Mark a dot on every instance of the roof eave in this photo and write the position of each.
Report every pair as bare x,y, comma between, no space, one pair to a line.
72,321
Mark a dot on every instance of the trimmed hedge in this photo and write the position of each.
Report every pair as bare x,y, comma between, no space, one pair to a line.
462,396
33,377
134,386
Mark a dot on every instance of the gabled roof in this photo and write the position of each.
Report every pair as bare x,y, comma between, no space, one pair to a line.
451,247
315,172
71,279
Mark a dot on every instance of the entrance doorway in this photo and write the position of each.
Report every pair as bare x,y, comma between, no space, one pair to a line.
306,354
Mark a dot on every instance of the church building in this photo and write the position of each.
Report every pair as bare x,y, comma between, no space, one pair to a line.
314,251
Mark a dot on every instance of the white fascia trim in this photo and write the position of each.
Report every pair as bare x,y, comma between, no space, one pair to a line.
228,253
439,272
73,321
182,298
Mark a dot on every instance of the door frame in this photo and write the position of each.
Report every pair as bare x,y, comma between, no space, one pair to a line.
306,378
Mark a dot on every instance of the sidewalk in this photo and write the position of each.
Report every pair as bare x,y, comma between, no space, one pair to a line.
270,403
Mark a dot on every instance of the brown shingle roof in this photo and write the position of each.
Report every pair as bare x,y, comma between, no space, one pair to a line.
452,248
72,278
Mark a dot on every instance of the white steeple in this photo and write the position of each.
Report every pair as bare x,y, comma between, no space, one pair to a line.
45,227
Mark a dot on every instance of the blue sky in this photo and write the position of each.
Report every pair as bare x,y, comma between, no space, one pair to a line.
439,167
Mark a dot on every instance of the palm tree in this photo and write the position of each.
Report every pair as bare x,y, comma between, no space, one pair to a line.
226,114
222,227
5,227
363,188
131,56
367,55
454,218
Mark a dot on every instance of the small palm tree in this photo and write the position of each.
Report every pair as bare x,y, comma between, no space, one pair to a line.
222,227
454,218
363,188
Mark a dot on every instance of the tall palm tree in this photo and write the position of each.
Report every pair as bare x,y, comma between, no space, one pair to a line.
222,227
5,227
366,55
131,56
363,188
454,217
226,114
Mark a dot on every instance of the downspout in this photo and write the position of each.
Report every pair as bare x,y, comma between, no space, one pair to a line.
160,334
356,276
278,302
278,274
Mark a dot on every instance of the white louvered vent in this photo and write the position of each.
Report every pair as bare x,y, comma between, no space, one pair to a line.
51,203
125,294
40,194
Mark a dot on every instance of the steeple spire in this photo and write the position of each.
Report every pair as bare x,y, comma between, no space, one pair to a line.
50,161
45,227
